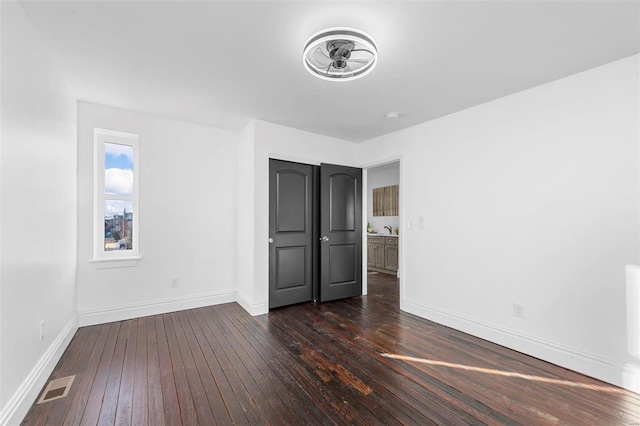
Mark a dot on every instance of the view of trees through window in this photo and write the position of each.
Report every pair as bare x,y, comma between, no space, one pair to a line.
118,197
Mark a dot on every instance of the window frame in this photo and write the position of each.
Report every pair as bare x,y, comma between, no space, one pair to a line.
102,136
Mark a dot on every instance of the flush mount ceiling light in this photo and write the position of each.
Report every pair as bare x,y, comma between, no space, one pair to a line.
340,54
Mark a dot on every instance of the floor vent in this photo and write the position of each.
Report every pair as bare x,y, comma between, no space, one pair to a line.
56,389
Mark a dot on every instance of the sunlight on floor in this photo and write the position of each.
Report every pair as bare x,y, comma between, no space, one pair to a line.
611,388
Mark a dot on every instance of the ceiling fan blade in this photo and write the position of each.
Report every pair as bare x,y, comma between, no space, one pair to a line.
347,71
361,54
320,58
328,68
359,61
362,50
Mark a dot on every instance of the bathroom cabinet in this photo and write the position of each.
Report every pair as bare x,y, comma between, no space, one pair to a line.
382,254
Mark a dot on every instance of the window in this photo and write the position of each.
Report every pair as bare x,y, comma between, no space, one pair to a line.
116,195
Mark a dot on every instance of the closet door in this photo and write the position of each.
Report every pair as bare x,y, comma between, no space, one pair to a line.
340,232
291,245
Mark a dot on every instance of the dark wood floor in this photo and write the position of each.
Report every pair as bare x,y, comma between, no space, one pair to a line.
356,361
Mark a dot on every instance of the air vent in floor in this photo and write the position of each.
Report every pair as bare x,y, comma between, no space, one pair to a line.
56,389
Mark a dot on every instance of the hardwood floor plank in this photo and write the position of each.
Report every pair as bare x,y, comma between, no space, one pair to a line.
438,398
251,379
279,396
170,402
154,379
140,413
270,358
125,397
280,362
441,399
203,410
112,390
226,390
352,356
231,374
342,400
333,400
482,354
353,361
74,352
188,414
441,388
85,370
97,390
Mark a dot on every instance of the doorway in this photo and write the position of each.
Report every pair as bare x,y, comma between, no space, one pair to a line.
383,223
315,232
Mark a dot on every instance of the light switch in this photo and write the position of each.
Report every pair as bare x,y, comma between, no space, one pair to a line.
410,224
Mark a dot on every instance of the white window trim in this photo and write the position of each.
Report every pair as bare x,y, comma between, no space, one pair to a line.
115,258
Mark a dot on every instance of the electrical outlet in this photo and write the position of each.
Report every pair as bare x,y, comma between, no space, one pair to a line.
175,283
41,329
518,310
421,222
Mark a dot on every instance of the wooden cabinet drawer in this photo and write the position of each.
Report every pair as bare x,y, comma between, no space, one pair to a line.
391,240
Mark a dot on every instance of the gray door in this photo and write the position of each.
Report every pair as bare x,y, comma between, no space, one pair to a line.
291,230
340,232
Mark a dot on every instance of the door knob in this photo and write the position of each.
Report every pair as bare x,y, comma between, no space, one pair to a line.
324,239
270,240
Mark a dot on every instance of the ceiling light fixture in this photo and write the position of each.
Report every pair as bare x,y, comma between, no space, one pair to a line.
340,54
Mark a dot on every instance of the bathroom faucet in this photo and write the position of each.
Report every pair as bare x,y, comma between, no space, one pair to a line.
389,229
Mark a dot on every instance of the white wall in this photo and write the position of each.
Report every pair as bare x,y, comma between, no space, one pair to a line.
187,218
532,198
275,141
379,177
246,219
37,215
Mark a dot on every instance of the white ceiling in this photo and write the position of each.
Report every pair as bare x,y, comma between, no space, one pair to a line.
222,63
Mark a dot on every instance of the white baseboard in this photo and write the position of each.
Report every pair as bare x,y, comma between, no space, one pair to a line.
19,404
631,377
254,308
625,376
154,307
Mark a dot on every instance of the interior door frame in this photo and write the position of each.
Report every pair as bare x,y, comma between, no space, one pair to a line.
401,219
